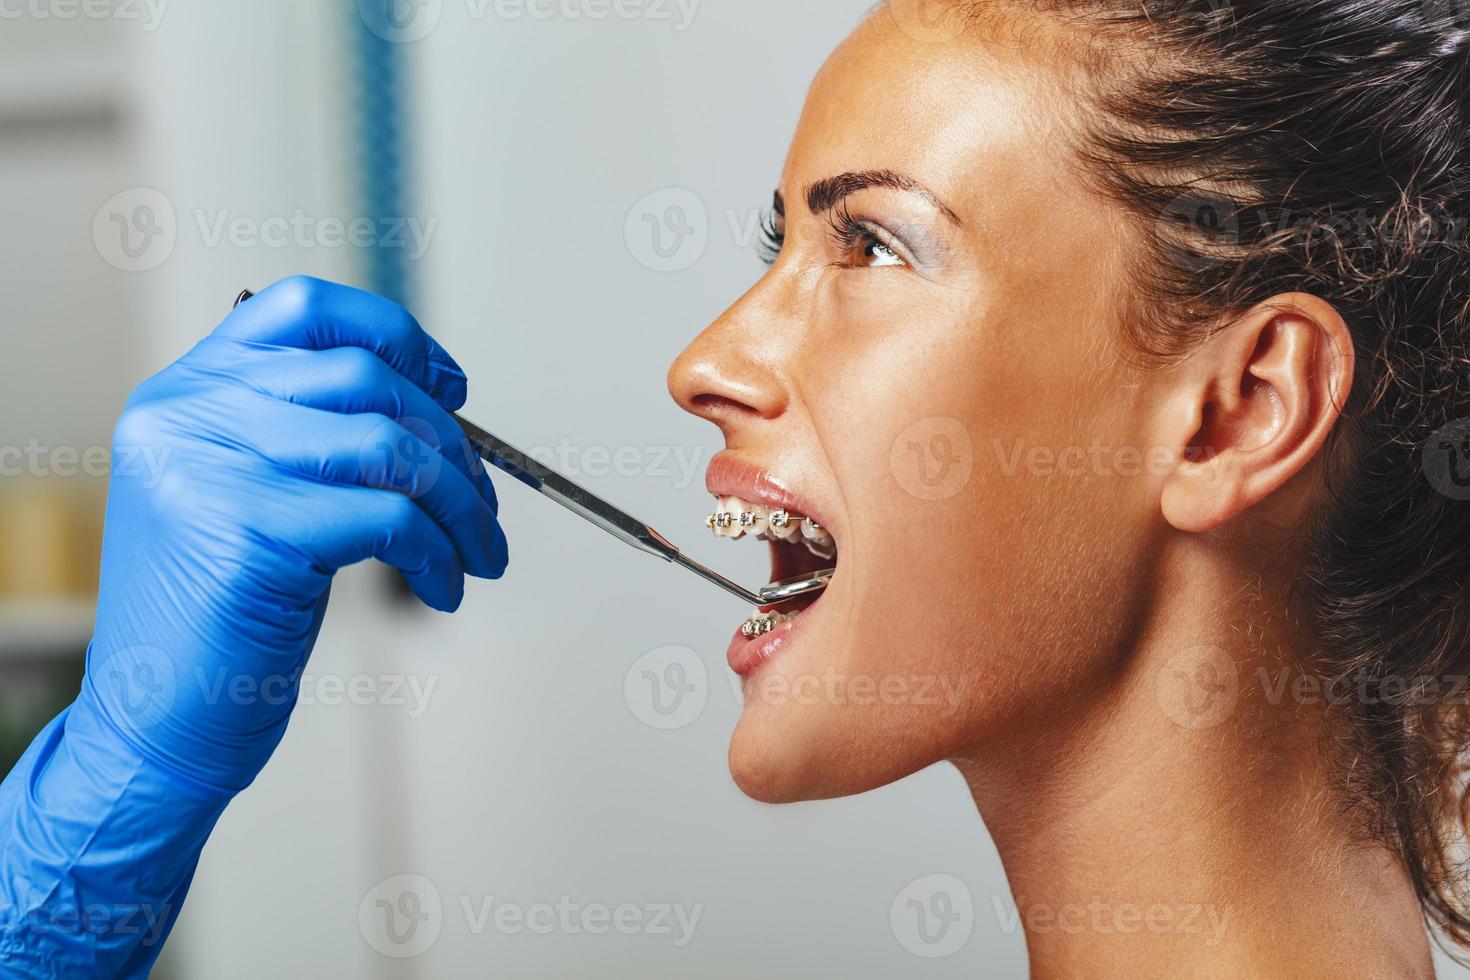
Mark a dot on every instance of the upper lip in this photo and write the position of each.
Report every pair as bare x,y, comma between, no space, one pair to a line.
730,475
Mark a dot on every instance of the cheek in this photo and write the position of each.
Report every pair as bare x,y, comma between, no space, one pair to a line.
987,559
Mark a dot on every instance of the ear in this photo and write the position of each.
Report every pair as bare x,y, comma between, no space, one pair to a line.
1254,405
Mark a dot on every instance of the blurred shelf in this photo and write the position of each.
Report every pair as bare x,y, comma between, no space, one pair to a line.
43,628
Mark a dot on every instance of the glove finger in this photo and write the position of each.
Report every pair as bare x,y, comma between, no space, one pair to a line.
346,380
377,452
318,315
352,524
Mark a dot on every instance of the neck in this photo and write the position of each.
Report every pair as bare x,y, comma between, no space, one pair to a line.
1183,821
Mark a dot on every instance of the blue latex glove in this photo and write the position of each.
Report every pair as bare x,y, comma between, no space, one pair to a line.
310,431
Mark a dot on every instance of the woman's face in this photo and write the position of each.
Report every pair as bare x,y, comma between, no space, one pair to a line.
930,369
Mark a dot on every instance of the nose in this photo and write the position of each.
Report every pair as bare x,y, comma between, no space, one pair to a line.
732,373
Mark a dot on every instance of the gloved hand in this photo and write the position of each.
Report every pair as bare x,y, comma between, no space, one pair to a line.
310,431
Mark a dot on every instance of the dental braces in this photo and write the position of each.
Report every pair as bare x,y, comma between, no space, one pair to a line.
758,625
734,521
762,622
754,628
748,518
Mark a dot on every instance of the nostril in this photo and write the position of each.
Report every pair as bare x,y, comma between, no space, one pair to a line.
719,405
717,380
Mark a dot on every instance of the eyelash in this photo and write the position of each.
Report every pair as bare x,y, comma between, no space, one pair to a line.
847,234
772,237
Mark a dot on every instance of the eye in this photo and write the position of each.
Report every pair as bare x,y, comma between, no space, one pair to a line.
876,254
864,245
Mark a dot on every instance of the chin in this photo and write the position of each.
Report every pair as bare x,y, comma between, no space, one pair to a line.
757,766
769,772
795,753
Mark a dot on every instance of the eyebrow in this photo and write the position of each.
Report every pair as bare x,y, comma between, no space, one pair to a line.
826,194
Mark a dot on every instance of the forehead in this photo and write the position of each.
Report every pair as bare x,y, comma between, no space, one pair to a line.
990,123
965,116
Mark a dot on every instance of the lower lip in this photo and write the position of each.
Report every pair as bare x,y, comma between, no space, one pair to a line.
747,654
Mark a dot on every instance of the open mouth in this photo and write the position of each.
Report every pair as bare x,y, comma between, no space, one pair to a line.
799,547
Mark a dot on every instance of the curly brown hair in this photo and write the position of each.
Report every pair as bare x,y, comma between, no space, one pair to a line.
1275,146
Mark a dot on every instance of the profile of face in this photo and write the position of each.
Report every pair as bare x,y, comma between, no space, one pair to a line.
928,369
933,369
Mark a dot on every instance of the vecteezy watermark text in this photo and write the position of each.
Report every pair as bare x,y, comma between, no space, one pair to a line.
407,21
145,684
681,464
147,922
1101,917
833,688
303,230
138,229
148,12
408,691
1096,459
40,460
1289,686
403,916
680,13
571,918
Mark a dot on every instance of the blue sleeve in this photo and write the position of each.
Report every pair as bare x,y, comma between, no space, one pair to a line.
99,847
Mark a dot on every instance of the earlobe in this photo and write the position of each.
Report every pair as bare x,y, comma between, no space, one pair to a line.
1258,401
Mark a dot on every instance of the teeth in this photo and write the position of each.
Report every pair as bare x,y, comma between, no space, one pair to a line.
785,526
818,539
755,520
761,623
736,518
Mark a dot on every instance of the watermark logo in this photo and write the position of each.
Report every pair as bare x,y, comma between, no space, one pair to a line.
403,455
933,916
1198,687
928,21
1455,13
1447,460
1201,13
402,916
1199,229
401,21
933,458
668,230
136,230
667,688
138,683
